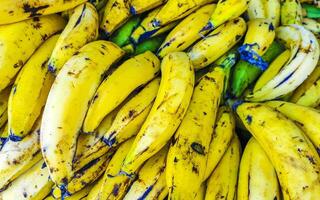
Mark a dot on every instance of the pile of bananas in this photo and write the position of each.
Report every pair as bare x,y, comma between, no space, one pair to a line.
159,99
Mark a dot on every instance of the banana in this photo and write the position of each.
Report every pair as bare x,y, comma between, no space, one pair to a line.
217,43
257,176
98,4
17,157
3,134
187,31
20,10
256,9
82,178
159,189
4,97
170,105
64,114
81,28
116,13
188,153
291,12
293,157
269,9
151,44
140,6
303,60
272,70
222,184
311,25
32,185
298,113
148,176
130,75
258,39
32,84
311,96
81,195
226,10
113,185
20,40
201,193
223,133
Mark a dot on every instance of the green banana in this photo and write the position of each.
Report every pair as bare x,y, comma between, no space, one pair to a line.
151,44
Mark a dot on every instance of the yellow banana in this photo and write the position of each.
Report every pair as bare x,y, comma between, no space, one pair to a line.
30,91
291,12
64,114
130,75
34,184
222,184
226,10
272,70
217,43
188,153
20,40
170,105
148,176
221,138
82,28
4,97
17,157
201,193
257,176
159,189
140,6
293,157
187,31
81,195
311,96
116,13
19,10
269,9
113,185
256,9
82,178
312,25
307,118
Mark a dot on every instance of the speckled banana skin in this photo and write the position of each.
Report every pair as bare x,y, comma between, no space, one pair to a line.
19,10
20,40
312,25
293,157
140,6
81,28
269,9
4,97
291,12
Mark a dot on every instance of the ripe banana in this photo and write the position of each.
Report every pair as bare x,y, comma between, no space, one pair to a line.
170,105
81,195
81,28
129,76
98,4
217,43
64,114
4,97
20,40
148,176
159,189
226,10
17,157
307,118
222,184
20,10
311,96
311,25
116,13
187,31
258,39
269,9
291,12
293,157
33,184
82,178
32,84
140,6
303,60
113,185
257,176
188,153
223,133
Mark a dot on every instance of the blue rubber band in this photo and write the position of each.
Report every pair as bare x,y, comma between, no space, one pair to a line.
236,104
132,10
248,55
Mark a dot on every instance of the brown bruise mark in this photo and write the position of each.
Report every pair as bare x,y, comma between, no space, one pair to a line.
33,10
18,64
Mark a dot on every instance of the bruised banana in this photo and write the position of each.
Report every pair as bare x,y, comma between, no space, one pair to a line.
291,12
32,84
217,43
170,106
80,77
188,153
113,185
4,97
20,10
140,6
223,133
222,184
148,176
20,40
307,118
257,176
32,184
187,31
292,155
81,28
17,157
269,9
129,76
